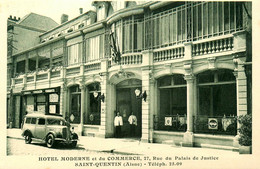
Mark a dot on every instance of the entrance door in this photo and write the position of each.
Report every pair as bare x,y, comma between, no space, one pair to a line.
126,104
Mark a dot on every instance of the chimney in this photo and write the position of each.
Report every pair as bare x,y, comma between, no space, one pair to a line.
64,18
80,11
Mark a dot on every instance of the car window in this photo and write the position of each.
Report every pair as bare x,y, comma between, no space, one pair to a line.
33,121
41,121
56,122
28,120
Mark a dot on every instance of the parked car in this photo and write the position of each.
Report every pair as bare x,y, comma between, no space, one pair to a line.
51,129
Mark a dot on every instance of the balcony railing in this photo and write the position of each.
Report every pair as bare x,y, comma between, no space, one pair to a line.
214,46
193,21
225,125
169,54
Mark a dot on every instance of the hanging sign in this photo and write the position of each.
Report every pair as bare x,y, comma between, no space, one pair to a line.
213,123
168,121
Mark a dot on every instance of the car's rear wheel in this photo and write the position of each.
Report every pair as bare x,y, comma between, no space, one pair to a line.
50,141
28,138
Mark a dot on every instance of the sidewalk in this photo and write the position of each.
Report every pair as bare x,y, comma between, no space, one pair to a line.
133,146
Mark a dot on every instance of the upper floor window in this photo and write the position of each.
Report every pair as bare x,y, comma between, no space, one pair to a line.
94,48
75,54
74,51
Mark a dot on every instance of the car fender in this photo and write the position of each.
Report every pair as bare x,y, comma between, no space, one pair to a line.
51,132
75,136
27,131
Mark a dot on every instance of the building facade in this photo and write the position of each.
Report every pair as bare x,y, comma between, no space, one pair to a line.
181,70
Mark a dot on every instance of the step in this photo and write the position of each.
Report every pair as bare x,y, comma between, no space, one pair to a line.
220,147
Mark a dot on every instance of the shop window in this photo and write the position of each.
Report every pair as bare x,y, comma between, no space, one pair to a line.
41,103
53,103
217,104
172,114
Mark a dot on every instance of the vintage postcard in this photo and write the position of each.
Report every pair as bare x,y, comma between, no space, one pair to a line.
129,84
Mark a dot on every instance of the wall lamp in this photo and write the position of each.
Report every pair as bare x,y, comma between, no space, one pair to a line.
140,95
99,97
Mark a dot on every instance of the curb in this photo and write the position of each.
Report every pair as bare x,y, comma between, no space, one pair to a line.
19,138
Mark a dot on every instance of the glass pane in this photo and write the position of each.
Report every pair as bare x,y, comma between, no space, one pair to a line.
53,98
41,121
41,98
165,81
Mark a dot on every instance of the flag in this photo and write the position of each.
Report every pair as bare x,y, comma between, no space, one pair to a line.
115,48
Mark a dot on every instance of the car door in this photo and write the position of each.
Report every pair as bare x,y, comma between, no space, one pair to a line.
40,128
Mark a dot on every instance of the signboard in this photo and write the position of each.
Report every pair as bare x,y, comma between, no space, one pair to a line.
168,121
37,91
213,123
49,90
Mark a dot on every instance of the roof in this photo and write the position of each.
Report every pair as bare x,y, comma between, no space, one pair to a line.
38,21
44,116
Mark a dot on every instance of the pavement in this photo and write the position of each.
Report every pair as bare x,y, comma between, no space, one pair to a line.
135,146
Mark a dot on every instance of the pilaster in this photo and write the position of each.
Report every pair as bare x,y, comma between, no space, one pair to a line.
81,125
103,115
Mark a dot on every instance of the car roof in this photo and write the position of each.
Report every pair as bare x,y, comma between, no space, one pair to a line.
44,116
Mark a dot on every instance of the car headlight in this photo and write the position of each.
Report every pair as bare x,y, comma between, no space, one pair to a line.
72,129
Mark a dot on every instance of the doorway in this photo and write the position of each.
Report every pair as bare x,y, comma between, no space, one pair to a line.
126,103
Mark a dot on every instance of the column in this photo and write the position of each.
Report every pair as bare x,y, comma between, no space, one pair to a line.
147,125
145,107
82,105
63,100
241,85
188,136
103,84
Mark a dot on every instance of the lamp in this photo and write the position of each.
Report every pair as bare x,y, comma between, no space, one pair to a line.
140,95
95,94
99,97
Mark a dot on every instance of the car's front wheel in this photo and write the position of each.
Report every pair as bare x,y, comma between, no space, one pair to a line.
50,141
28,138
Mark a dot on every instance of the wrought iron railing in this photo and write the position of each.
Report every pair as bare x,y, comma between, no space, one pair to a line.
225,125
170,123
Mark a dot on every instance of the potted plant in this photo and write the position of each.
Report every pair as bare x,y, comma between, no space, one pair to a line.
245,134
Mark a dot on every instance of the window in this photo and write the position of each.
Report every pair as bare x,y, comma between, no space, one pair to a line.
41,103
33,121
20,67
132,34
28,120
41,121
217,101
75,54
75,104
53,103
172,103
95,48
56,122
94,104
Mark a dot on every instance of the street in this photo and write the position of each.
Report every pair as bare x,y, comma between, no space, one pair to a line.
18,147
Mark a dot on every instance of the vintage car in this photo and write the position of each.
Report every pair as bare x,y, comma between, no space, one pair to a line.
51,129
